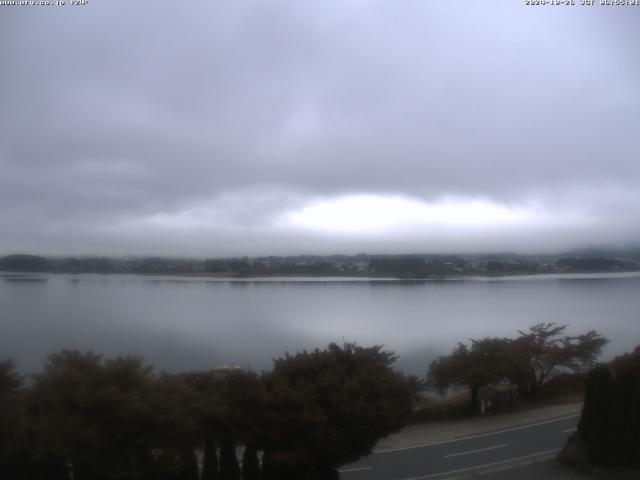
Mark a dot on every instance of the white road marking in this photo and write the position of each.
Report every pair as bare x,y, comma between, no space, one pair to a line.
569,430
468,452
486,465
481,435
360,469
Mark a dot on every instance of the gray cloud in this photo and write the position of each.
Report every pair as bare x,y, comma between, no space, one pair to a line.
195,129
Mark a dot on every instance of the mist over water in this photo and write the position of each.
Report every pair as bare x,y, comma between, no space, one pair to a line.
180,323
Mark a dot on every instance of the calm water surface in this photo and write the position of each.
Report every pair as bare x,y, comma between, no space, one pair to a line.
194,323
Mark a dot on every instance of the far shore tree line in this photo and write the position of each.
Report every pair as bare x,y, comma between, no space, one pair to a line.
398,266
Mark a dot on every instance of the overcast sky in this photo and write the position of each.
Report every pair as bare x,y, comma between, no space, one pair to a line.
274,127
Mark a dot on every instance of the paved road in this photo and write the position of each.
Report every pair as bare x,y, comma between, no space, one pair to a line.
494,454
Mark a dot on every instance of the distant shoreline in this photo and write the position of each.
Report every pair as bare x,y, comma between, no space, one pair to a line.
31,276
405,267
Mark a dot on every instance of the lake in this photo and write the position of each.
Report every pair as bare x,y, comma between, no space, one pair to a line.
180,323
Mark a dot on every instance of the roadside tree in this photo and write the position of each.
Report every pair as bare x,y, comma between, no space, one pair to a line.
95,414
609,428
329,407
543,351
10,386
484,362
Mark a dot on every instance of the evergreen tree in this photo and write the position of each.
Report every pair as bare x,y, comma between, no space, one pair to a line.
229,468
594,428
210,459
250,463
625,415
187,464
10,385
609,428
268,472
163,467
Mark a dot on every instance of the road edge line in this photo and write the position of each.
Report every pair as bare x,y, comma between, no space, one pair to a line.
476,467
480,435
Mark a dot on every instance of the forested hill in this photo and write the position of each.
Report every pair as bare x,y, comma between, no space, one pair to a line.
399,266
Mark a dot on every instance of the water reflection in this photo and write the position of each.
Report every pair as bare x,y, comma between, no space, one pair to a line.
200,322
